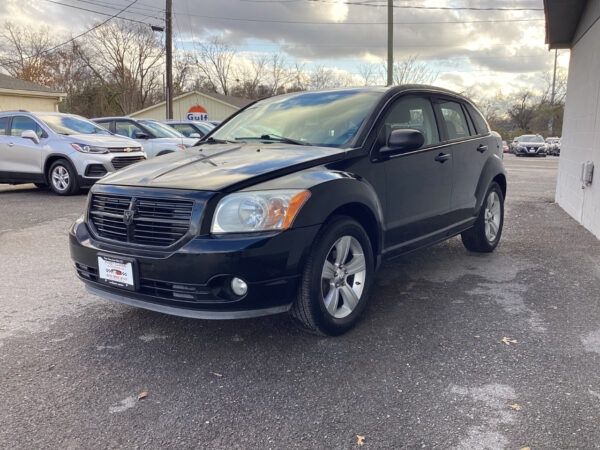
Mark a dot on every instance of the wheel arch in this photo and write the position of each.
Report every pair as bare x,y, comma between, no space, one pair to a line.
493,170
51,159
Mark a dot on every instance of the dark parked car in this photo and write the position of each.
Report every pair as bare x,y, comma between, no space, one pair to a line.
292,204
529,145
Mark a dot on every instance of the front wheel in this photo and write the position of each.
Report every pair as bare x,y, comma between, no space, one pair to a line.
485,234
63,178
336,279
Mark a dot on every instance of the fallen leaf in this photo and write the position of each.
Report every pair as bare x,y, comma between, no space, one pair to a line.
476,337
360,440
142,395
516,407
525,448
509,341
554,307
217,374
399,390
551,273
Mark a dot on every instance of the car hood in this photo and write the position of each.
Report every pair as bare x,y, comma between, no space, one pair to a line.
102,140
216,167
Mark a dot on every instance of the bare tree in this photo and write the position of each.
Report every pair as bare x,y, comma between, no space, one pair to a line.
321,78
280,75
24,53
560,88
214,61
523,110
369,73
250,76
412,71
125,56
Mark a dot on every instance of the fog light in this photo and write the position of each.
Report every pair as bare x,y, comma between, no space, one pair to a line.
239,286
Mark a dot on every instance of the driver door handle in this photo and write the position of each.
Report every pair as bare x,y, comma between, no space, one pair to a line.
442,157
482,148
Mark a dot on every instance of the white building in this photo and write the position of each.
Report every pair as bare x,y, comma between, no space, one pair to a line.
196,105
19,94
575,24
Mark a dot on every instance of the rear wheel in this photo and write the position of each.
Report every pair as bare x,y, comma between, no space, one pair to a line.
485,235
63,178
336,279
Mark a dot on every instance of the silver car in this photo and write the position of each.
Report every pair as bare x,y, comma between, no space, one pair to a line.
156,137
63,151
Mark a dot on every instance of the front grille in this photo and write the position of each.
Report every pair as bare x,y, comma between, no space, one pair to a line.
122,149
146,221
123,161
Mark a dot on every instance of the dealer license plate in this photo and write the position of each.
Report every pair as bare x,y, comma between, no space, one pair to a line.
116,272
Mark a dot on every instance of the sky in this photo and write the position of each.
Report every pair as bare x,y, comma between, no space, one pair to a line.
482,52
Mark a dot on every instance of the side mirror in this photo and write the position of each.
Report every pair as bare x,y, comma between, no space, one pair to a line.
195,135
30,134
403,140
141,135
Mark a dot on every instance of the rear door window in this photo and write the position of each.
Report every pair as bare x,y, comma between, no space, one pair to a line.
22,123
186,129
127,129
3,125
480,123
455,120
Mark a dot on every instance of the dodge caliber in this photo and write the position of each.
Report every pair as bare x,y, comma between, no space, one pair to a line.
292,204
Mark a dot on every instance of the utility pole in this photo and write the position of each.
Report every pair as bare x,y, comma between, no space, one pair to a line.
554,78
169,54
390,42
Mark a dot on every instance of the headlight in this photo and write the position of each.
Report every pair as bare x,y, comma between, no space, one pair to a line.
245,212
84,148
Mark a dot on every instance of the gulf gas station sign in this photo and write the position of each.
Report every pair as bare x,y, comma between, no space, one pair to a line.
197,113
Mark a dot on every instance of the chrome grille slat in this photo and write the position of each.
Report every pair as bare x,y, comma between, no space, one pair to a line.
156,223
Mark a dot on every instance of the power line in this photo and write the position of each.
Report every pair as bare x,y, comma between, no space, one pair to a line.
89,30
381,3
110,16
114,6
307,22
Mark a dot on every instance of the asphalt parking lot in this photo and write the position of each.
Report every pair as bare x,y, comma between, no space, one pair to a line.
456,350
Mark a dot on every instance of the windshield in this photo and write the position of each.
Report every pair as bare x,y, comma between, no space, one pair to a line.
328,119
160,130
71,125
204,126
531,139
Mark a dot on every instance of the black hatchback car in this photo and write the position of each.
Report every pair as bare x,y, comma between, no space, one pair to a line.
292,204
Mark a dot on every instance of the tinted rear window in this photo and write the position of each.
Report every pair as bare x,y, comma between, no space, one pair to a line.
480,123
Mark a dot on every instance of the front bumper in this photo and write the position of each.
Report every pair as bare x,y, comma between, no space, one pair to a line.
91,167
531,152
192,280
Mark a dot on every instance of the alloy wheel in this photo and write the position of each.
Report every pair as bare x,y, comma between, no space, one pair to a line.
60,178
343,277
492,216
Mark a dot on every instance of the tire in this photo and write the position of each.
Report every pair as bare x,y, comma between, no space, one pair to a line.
491,216
351,289
63,178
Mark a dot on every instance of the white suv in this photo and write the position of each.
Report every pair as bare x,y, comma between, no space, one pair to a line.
64,151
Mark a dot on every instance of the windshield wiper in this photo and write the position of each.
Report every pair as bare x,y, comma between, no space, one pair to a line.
212,140
274,137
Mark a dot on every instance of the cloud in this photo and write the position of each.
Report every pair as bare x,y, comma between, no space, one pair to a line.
464,53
